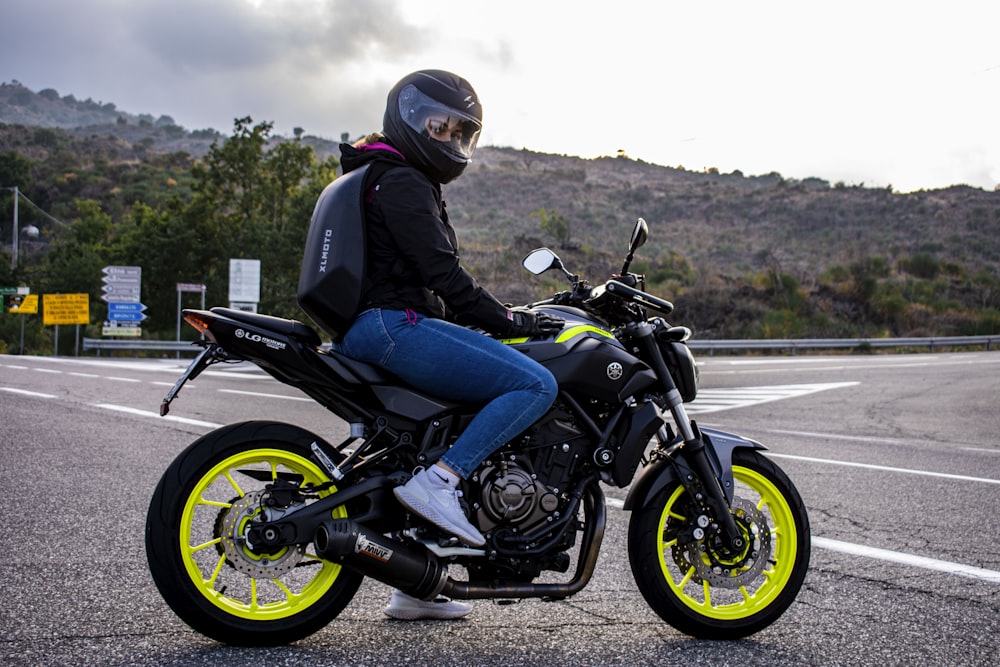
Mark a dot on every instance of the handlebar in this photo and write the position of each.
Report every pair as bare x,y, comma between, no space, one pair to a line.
638,296
600,298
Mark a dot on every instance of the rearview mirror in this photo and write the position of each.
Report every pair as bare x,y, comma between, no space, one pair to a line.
541,260
639,235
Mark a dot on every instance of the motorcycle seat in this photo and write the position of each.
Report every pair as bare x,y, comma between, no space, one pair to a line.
291,328
365,372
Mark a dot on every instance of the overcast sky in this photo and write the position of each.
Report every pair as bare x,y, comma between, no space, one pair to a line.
882,92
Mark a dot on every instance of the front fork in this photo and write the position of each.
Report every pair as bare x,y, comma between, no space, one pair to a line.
704,487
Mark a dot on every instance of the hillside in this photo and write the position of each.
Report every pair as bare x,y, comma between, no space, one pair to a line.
730,249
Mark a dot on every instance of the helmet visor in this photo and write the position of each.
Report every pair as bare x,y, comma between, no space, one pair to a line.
455,130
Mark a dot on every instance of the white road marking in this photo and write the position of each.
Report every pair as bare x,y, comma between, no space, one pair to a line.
25,392
260,395
716,400
838,436
156,415
871,466
969,571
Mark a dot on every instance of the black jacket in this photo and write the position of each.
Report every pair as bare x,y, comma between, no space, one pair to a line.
413,259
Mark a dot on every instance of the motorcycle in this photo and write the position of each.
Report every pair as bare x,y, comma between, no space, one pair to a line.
260,532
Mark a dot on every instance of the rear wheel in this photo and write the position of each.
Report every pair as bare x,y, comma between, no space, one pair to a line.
709,592
202,563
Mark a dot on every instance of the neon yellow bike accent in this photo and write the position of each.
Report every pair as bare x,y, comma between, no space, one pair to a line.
254,599
578,330
564,335
734,604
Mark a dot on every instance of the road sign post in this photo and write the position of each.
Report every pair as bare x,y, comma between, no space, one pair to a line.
187,287
22,302
122,292
65,309
244,284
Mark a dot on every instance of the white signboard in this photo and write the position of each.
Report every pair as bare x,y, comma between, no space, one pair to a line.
244,280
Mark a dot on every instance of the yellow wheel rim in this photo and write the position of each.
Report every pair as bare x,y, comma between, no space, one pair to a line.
301,580
745,600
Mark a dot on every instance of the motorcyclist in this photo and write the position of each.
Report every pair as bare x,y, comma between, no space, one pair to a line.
417,296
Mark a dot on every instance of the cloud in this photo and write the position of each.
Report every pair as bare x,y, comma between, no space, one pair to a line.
297,62
894,92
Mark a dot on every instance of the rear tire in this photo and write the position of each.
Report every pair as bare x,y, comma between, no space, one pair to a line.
206,573
713,596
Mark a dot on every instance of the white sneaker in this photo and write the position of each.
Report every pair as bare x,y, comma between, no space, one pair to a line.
434,499
407,608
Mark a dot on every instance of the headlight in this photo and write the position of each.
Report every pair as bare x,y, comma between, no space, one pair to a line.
683,368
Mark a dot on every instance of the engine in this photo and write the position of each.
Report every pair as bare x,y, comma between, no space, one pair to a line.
525,487
513,496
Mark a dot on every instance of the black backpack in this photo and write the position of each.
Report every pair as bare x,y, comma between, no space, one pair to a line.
333,265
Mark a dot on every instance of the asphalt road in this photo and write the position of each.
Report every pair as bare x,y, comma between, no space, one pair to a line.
896,458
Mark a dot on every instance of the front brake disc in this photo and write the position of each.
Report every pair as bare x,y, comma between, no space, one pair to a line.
729,570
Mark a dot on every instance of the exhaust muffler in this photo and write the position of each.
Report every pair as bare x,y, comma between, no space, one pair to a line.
408,567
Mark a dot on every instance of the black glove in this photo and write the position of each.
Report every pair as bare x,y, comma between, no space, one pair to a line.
527,323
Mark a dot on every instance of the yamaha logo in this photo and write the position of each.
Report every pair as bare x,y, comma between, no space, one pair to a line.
615,370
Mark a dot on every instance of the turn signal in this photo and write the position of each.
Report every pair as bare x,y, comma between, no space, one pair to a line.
200,323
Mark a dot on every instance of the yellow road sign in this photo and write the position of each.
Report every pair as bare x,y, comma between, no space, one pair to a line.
65,309
25,305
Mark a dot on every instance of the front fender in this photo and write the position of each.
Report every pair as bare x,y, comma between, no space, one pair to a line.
665,472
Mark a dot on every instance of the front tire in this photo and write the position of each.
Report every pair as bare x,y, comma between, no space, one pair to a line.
705,592
207,573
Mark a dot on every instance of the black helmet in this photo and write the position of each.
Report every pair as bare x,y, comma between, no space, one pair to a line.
434,118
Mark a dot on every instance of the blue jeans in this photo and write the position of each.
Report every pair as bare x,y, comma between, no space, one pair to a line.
458,364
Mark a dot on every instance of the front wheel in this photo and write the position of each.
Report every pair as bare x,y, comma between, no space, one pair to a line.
202,563
709,592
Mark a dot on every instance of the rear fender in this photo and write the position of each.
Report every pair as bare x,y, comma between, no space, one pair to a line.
664,472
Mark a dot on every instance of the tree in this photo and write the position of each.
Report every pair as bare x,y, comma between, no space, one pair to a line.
554,225
252,202
172,247
15,170
74,259
229,183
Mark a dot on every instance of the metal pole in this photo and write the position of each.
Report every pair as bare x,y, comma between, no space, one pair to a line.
177,355
13,253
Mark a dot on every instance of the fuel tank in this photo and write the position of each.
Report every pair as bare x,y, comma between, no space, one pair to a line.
586,358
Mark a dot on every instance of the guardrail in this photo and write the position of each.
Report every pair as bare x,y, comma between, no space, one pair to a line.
792,344
139,345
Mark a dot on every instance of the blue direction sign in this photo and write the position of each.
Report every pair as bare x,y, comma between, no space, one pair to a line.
126,317
126,311
126,307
